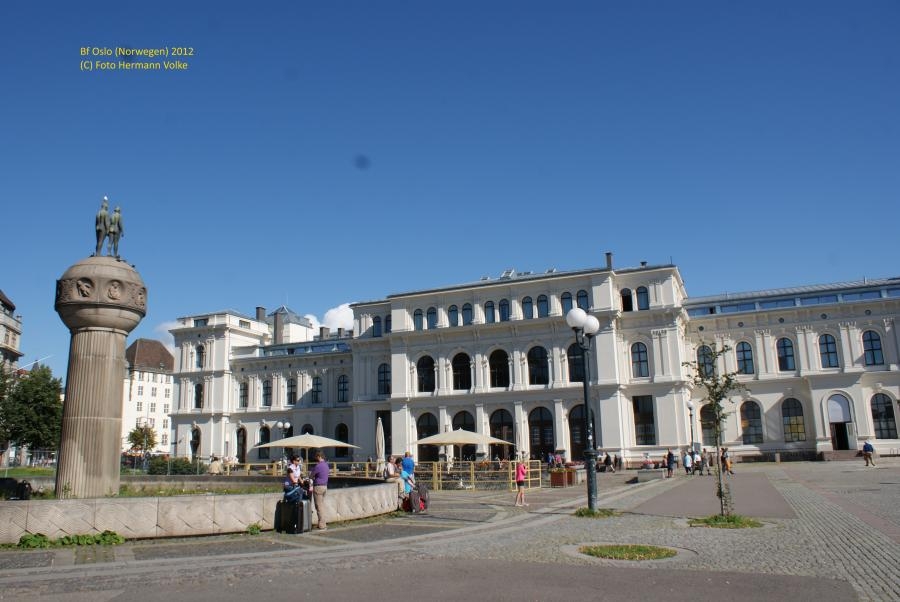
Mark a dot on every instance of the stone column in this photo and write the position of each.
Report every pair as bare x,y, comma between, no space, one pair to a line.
100,300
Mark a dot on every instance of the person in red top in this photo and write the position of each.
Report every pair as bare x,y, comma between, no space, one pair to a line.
521,471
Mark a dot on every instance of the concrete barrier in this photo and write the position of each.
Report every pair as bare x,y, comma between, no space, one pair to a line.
650,474
149,517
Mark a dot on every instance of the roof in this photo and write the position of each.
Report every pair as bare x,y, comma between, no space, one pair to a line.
511,275
150,354
794,291
4,300
289,316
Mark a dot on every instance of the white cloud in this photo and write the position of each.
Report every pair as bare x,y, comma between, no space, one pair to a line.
339,317
165,337
314,321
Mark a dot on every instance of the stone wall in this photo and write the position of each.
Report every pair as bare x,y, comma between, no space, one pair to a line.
179,516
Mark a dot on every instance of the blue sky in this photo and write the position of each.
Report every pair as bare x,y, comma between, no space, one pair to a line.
315,154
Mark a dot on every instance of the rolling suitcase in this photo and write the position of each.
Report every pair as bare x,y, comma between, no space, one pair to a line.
293,517
415,502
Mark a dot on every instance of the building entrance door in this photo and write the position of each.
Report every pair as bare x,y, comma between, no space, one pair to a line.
841,420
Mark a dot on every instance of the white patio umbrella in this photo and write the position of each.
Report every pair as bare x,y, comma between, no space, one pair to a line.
379,445
307,441
461,437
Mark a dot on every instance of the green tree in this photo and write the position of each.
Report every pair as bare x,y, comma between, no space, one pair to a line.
718,388
31,409
142,438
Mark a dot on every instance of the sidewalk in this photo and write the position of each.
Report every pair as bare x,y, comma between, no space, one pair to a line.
827,536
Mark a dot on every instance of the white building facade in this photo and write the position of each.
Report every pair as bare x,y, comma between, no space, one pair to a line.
147,398
496,356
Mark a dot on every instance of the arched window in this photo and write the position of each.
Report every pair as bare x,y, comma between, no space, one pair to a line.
343,385
627,303
828,351
425,372
418,324
744,358
462,372
872,348
540,433
708,425
527,308
582,300
504,310
538,372
499,367
267,393
376,326
453,315
387,324
792,420
751,423
467,314
317,389
465,421
201,356
265,436
431,318
785,349
384,379
244,395
489,315
198,396
307,429
426,426
566,300
705,364
291,391
643,297
342,433
640,365
502,428
543,306
883,417
575,358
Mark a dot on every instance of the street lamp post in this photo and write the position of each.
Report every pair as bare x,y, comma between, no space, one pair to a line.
690,407
284,426
585,327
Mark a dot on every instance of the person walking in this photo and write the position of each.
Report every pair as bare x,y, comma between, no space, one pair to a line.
868,451
710,462
319,476
688,462
670,463
608,463
726,461
521,472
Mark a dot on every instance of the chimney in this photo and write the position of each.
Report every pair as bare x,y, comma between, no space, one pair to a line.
609,260
279,336
340,333
260,314
323,332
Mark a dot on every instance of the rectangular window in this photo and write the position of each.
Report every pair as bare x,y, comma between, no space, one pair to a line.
165,408
137,422
777,303
167,393
153,377
861,296
818,300
730,309
200,322
140,390
165,423
244,324
165,439
644,423
151,421
152,391
140,406
153,407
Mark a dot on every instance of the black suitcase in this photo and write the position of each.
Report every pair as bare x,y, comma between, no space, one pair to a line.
293,517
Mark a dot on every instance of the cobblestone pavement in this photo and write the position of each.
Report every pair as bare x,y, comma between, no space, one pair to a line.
845,532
